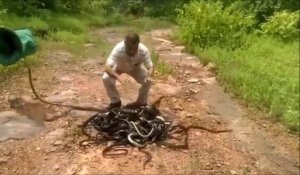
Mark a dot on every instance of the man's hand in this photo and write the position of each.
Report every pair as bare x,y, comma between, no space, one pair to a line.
112,73
148,79
149,76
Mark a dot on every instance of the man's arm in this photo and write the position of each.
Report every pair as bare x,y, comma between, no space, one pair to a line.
111,62
150,71
149,65
108,69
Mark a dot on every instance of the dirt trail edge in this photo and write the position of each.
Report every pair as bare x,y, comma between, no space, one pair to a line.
270,156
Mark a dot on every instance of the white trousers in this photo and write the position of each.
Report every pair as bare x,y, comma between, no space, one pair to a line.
139,74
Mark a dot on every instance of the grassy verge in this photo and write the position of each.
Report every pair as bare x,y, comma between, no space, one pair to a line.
264,73
70,33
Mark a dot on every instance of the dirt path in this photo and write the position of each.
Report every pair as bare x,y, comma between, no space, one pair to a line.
197,99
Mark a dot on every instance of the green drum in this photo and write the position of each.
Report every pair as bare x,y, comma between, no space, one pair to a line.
15,45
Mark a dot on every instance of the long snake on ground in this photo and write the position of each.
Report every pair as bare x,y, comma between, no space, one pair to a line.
129,125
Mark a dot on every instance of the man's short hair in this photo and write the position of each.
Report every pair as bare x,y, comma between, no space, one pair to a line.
132,38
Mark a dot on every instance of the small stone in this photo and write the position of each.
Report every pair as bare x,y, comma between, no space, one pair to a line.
98,72
198,133
52,149
3,160
185,151
56,92
189,115
187,72
57,143
58,133
163,146
49,116
88,45
209,81
66,79
83,171
218,165
38,148
177,107
5,152
265,125
68,92
85,143
110,143
193,80
233,172
56,167
193,91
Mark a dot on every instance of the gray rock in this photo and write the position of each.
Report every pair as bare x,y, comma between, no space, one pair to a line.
17,126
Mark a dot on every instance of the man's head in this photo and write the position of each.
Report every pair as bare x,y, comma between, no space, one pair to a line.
132,41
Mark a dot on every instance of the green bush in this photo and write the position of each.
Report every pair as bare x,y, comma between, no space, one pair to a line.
283,25
163,9
263,9
135,7
207,24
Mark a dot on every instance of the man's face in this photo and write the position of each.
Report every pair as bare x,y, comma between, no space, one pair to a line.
131,49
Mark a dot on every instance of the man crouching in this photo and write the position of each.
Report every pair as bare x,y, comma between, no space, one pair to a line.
133,58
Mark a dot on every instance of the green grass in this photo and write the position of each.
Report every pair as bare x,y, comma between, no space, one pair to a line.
265,73
163,69
72,33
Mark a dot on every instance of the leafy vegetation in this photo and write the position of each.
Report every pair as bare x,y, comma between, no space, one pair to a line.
207,24
282,25
259,63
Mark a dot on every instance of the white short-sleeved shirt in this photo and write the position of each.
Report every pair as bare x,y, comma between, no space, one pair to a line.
121,62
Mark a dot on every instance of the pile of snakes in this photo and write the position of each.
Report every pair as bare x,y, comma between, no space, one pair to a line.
136,127
128,126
